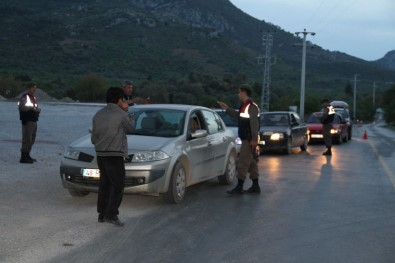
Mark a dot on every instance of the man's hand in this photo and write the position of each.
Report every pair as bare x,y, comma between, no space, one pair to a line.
253,145
223,105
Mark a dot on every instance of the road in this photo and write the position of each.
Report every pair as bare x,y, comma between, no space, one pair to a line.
312,208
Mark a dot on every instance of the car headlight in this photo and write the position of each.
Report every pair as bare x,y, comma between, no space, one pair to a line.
276,136
238,141
71,154
334,131
149,156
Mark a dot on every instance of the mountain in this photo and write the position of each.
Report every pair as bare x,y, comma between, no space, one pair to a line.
160,39
388,60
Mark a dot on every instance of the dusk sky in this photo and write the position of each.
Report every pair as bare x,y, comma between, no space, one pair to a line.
361,28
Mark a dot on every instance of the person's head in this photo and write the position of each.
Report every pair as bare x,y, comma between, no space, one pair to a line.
127,87
194,124
244,92
31,88
325,103
114,95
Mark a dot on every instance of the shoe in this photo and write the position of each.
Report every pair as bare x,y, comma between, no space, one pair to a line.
25,159
30,158
100,218
327,153
254,189
115,221
236,191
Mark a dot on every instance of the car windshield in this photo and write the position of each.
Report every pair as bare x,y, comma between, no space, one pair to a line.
158,122
274,119
313,118
343,113
229,120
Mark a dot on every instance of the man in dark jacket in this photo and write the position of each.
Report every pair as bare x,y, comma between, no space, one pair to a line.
28,114
327,122
109,128
248,119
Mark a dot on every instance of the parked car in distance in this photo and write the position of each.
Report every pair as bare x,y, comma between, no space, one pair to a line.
342,108
339,129
282,130
166,154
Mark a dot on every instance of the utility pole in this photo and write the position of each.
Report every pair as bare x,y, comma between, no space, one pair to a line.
355,97
267,41
302,81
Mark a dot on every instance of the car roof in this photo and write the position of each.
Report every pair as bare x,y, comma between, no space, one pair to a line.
278,112
182,107
339,104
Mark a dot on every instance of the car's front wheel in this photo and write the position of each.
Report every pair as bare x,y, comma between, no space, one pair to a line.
177,185
76,193
230,171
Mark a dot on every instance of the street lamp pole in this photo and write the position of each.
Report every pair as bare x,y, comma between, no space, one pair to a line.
303,74
355,96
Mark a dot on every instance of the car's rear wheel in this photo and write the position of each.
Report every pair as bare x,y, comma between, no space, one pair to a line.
303,147
177,185
76,193
230,171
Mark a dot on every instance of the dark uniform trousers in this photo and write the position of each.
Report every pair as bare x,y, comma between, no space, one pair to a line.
326,132
29,131
111,185
246,163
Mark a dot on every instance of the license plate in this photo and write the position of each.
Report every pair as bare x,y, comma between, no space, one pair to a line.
262,142
317,136
95,173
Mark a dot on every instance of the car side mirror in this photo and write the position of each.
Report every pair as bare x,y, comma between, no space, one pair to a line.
199,134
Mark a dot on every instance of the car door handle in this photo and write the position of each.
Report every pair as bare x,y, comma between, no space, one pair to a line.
224,139
209,144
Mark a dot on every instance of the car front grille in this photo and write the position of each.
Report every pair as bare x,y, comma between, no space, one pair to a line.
88,181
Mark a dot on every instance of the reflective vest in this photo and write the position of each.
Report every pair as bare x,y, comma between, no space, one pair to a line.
30,114
329,116
244,120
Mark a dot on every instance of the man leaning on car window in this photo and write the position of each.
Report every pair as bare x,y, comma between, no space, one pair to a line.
109,128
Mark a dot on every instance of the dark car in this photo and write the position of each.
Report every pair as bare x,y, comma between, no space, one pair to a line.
339,129
342,108
282,130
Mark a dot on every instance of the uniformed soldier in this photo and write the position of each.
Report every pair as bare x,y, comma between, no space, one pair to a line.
28,114
327,121
248,118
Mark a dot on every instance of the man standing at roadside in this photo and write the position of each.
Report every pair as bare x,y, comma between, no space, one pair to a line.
327,122
109,128
28,114
130,99
248,117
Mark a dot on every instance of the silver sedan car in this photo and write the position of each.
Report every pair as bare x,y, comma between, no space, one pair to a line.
171,148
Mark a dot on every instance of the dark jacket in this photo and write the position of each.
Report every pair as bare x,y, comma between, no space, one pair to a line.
27,106
328,115
248,118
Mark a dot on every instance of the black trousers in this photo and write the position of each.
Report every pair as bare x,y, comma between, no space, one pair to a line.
111,185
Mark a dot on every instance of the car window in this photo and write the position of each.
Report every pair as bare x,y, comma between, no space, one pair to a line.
213,122
336,119
158,122
274,119
295,118
314,119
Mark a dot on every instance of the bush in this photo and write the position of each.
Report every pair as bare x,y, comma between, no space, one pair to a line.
389,105
91,88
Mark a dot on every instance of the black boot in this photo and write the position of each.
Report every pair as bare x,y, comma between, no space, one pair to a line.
24,158
238,190
328,151
254,189
30,158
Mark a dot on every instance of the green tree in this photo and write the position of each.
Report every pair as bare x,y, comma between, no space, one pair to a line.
91,88
10,87
389,105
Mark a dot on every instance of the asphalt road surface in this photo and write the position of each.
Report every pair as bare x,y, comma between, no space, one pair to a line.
312,208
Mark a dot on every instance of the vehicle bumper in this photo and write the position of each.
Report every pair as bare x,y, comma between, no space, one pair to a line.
139,179
267,145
